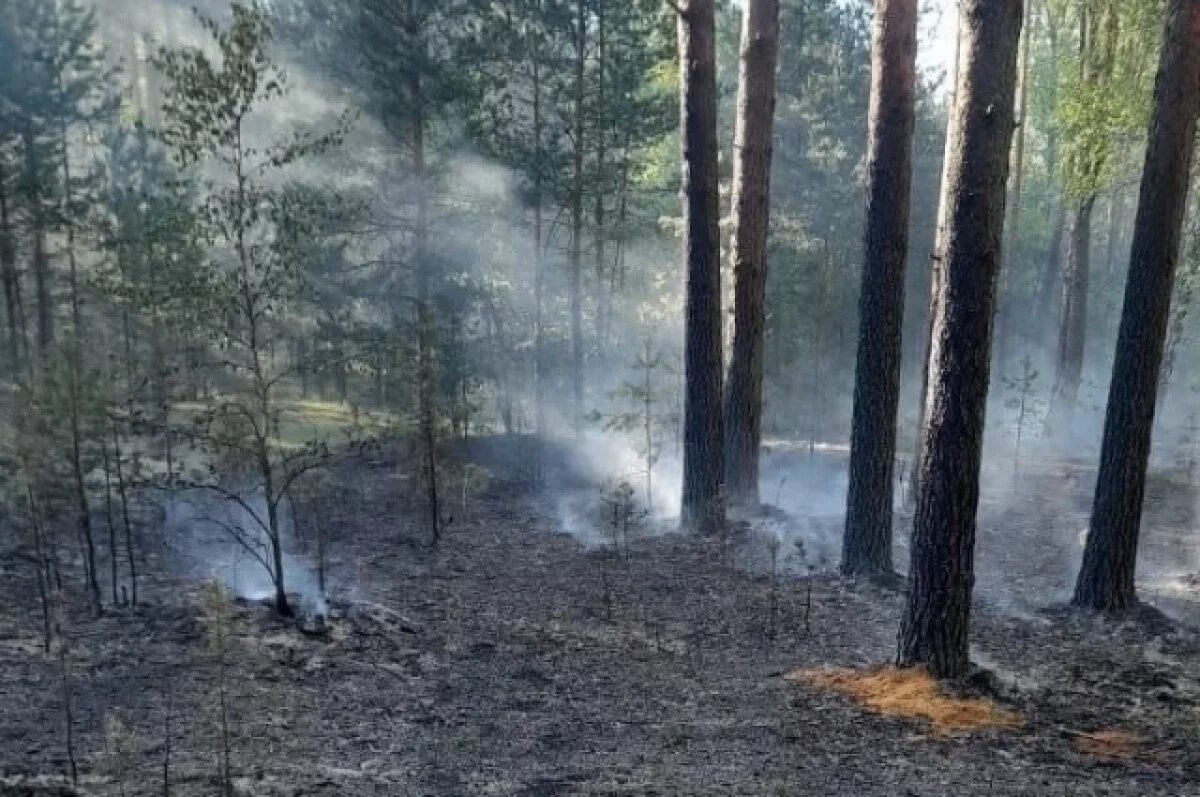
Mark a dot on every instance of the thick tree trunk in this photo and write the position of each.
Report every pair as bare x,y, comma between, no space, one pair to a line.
1072,318
934,630
703,466
751,219
935,260
867,545
1106,577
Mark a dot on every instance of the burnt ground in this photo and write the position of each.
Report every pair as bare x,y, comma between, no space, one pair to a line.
516,661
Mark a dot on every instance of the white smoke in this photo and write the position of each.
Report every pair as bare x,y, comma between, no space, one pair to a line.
226,539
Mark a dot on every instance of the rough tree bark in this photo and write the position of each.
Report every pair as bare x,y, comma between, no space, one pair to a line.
751,219
702,509
933,631
1106,577
935,259
867,545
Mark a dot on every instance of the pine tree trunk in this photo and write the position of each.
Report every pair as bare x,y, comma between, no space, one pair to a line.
935,259
539,269
1012,228
751,221
575,254
600,231
41,261
1051,271
1072,318
123,494
112,524
83,510
1115,213
8,274
1043,308
703,467
1106,577
867,545
934,630
426,322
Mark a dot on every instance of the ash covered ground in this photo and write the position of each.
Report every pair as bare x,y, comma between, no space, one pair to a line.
519,660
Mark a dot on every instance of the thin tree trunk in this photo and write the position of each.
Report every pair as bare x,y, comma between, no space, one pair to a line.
703,467
121,493
1072,331
1106,577
1114,231
41,262
76,364
539,268
1051,269
575,253
427,377
8,273
1181,308
68,714
867,545
43,568
600,233
1043,308
1012,228
934,630
752,151
84,513
112,524
616,281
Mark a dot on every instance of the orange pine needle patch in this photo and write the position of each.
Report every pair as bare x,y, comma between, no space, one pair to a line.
910,693
1109,744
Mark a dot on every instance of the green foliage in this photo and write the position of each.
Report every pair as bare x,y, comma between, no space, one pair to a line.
257,224
1104,96
650,413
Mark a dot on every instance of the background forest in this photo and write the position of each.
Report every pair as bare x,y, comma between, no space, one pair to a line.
520,182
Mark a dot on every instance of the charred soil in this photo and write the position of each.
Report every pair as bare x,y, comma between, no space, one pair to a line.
515,660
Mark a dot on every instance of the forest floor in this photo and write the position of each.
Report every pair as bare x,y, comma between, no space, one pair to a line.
515,660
